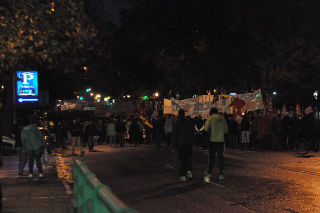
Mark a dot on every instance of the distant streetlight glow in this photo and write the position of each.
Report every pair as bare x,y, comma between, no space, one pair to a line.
156,94
85,68
88,90
145,98
128,96
91,94
275,93
81,98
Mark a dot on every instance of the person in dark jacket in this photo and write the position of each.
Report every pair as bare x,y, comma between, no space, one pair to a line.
22,154
183,138
90,132
75,131
121,130
245,131
134,132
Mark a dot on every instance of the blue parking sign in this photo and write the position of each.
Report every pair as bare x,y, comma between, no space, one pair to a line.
27,86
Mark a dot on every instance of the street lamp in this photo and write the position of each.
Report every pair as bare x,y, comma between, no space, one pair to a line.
156,94
88,90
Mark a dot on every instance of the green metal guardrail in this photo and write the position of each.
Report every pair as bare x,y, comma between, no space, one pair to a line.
91,196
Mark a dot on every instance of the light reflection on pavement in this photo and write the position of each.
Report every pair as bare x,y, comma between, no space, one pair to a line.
260,181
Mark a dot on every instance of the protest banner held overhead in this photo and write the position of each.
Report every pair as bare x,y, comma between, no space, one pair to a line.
201,105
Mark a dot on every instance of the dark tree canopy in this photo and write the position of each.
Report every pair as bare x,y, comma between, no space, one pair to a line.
183,46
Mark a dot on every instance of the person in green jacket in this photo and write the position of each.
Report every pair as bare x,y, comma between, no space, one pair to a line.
217,127
34,143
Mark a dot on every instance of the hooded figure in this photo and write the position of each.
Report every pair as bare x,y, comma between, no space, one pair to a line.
183,138
217,127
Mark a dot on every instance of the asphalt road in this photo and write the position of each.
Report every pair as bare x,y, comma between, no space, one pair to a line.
146,179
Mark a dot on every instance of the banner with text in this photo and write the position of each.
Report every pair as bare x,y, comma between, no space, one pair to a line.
201,105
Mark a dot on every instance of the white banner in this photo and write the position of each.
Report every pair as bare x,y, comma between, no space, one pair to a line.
201,105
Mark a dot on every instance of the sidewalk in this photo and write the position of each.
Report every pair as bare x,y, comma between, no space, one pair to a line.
33,195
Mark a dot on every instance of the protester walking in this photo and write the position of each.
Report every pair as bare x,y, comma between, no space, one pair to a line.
33,142
134,132
245,131
112,134
183,138
22,154
121,130
90,132
75,131
217,127
168,128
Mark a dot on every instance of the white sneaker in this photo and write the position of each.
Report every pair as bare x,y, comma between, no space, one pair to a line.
30,176
208,179
41,175
189,174
183,179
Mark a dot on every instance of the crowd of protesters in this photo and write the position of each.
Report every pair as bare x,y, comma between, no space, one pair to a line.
254,131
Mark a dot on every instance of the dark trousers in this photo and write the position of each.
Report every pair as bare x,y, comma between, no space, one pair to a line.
168,138
34,155
90,142
212,149
121,139
22,160
184,155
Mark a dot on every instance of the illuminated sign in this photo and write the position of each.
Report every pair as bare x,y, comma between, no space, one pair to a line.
27,86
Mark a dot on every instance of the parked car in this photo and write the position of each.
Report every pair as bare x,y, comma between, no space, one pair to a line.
8,145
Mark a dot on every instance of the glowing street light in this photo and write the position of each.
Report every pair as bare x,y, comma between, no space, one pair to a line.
81,98
91,94
156,94
128,96
88,90
97,96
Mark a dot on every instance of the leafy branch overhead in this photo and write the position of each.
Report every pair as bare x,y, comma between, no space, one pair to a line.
35,32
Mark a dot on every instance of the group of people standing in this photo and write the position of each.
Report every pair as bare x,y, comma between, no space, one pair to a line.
183,136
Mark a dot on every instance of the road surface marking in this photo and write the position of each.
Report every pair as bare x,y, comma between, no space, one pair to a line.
217,184
170,167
